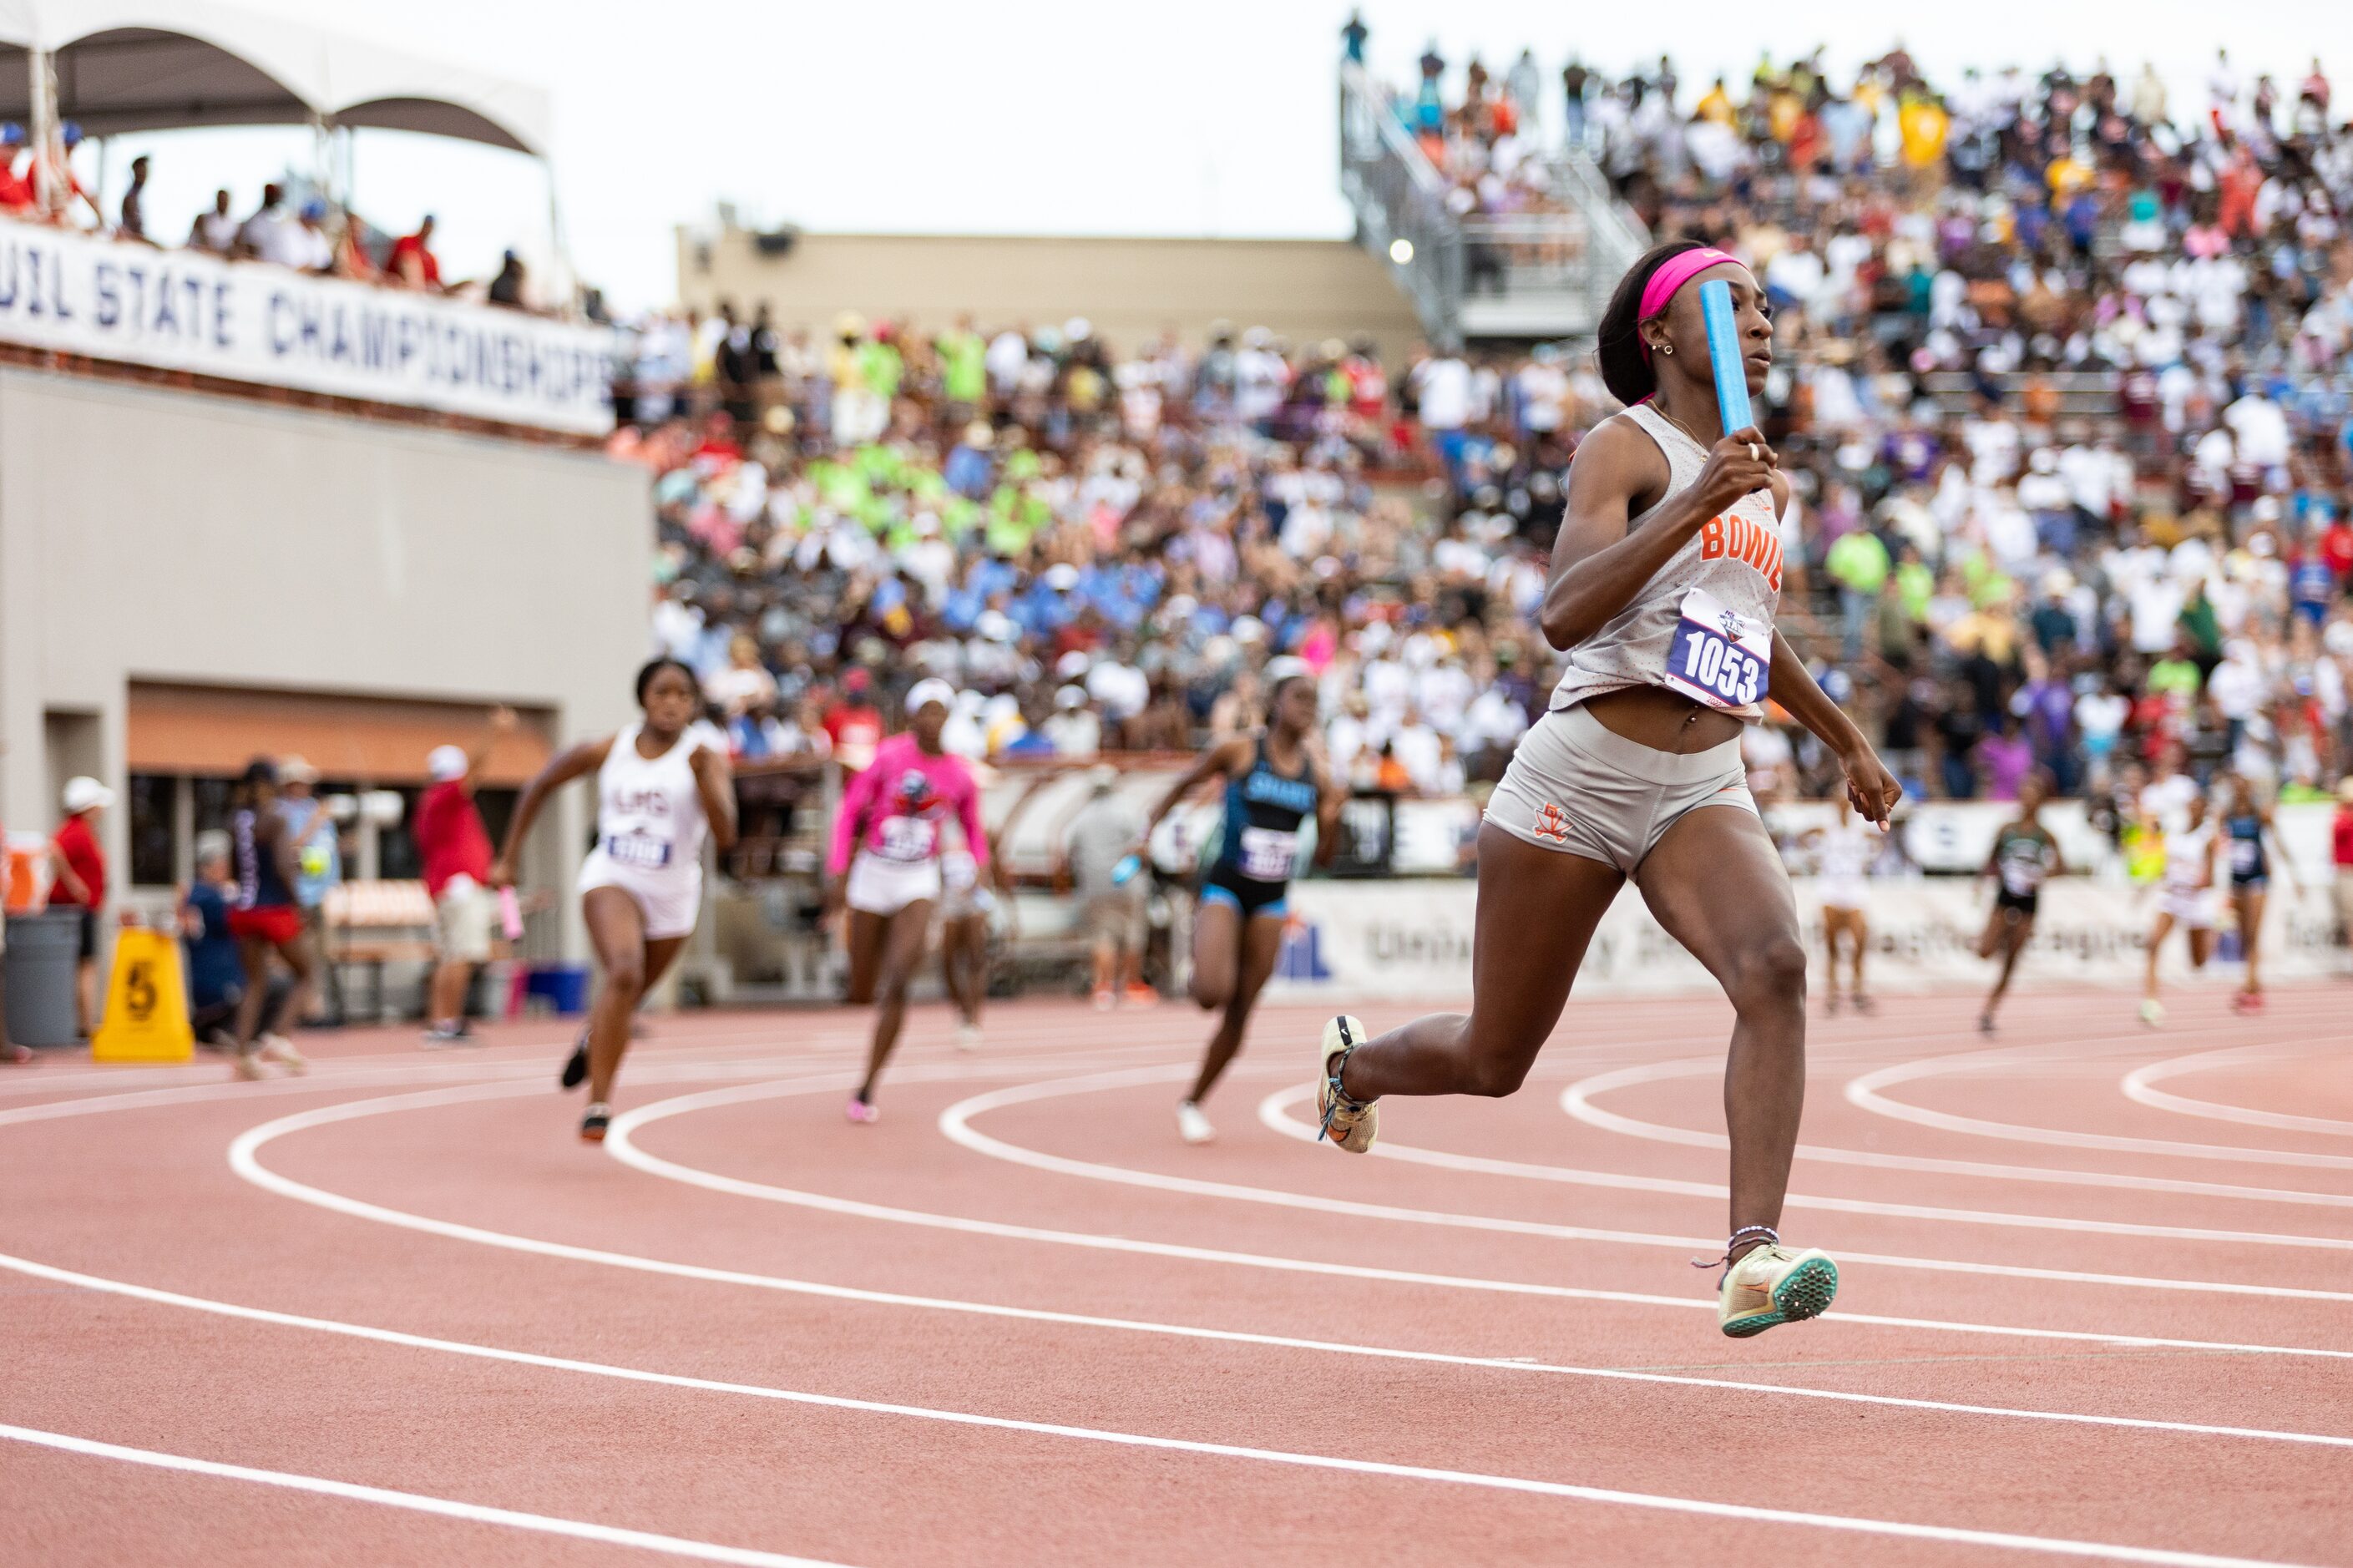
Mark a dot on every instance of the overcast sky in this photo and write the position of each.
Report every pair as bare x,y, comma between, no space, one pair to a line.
1215,117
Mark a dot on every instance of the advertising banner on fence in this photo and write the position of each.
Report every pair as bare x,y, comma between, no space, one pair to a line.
178,309
1411,940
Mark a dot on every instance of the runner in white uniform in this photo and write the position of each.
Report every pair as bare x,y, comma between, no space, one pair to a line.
1843,853
663,785
2185,898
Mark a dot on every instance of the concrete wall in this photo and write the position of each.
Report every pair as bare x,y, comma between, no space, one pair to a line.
157,535
1130,289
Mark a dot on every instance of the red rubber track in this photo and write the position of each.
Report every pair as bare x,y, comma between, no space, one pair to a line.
1039,1327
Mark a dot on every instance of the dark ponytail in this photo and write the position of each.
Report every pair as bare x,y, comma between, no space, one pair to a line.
1625,368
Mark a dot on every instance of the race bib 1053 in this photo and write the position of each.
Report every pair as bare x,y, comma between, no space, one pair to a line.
1720,656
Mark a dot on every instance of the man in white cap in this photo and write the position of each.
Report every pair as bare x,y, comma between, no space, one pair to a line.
81,868
455,852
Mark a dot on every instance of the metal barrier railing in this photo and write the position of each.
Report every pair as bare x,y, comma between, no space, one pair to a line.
1544,272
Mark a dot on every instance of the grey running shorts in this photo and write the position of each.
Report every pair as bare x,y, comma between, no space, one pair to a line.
1577,787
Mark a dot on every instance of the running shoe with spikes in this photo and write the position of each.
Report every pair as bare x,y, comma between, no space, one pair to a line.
1351,1123
967,1037
1773,1284
1191,1125
592,1125
575,1066
2152,1012
862,1112
279,1049
246,1064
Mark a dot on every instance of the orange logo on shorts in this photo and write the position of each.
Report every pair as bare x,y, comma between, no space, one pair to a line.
1552,823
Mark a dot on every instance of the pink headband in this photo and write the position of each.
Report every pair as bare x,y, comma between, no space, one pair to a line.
1674,272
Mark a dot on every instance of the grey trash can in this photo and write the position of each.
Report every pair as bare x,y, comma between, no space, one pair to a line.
43,952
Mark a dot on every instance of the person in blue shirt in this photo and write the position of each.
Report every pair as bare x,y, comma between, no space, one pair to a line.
216,972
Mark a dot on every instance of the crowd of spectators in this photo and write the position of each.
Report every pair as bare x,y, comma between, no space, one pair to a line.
2063,383
304,233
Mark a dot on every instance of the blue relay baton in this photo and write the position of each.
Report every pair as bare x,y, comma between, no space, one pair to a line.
1724,355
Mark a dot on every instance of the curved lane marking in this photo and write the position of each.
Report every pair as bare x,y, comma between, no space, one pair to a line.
2139,1086
1273,1111
620,1142
414,1502
2051,1545
1577,1099
956,1123
1864,1091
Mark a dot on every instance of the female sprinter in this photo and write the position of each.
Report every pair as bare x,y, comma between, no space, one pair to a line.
1664,580
662,784
2186,898
891,816
2024,855
1843,852
266,921
1271,786
2254,840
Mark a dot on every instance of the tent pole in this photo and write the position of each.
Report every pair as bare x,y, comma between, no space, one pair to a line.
564,287
42,88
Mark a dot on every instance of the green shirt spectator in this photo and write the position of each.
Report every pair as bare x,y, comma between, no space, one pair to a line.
1858,560
880,367
1916,586
964,364
2171,676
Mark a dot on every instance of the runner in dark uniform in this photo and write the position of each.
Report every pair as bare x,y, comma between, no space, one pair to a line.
2024,855
1272,786
266,921
2252,840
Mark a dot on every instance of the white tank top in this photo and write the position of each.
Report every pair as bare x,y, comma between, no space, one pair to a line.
2185,856
1847,852
649,813
1704,622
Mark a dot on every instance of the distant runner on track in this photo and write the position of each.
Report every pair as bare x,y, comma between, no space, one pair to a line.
2024,856
1272,787
663,783
886,867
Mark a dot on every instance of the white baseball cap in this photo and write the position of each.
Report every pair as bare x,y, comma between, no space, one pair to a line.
82,793
926,692
444,764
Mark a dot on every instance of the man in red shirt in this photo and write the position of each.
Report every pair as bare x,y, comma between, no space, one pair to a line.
455,852
854,724
411,264
80,867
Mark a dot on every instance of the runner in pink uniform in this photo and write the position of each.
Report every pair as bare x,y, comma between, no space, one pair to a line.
885,866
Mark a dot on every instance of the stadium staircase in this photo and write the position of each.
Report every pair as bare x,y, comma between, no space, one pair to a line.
1521,277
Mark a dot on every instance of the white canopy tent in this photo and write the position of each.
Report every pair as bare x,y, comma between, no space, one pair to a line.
118,66
147,65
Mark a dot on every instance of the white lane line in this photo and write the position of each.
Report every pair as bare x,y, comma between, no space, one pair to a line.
620,1143
1864,1091
245,1161
1577,1099
1273,1111
46,1078
2139,1086
415,1503
955,1122
1650,1501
